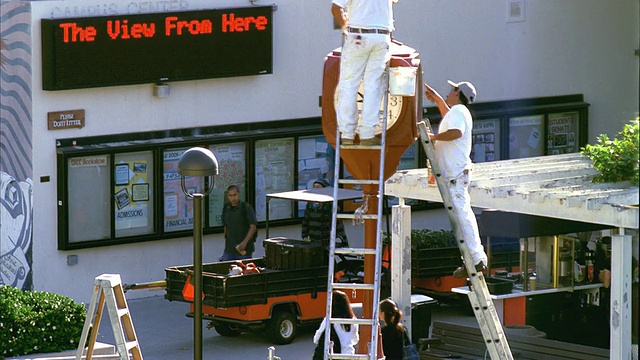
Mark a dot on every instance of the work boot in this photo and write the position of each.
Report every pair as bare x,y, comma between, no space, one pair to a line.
461,272
345,141
374,141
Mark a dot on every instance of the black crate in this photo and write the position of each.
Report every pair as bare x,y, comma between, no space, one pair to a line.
434,261
287,254
498,286
223,290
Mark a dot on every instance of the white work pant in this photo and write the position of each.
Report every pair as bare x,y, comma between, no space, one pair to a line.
362,54
461,202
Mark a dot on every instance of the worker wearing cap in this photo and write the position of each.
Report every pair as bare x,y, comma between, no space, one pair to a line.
453,148
367,27
316,224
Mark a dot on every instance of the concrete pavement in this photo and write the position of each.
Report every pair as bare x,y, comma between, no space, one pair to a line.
165,333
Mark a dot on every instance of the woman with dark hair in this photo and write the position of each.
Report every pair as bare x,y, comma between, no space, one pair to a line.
344,336
394,334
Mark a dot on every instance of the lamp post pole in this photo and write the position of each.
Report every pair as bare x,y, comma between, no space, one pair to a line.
197,162
197,273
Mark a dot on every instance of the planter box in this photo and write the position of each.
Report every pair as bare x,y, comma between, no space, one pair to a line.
434,261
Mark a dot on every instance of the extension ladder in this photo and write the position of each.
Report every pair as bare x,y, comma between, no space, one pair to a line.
108,289
360,215
479,296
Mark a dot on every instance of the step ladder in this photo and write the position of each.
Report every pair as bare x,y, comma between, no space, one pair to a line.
359,215
479,296
108,289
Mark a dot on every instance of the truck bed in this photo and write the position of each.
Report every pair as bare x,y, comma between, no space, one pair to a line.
222,290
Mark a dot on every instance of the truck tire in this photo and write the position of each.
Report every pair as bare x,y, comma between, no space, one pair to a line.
226,329
282,328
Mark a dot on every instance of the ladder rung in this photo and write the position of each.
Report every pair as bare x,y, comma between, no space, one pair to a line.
356,251
346,321
353,216
358,146
131,344
348,356
358,182
122,312
354,286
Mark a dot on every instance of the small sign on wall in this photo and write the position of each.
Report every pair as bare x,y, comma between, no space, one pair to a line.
58,120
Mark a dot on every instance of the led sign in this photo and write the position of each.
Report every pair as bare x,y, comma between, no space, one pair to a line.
148,48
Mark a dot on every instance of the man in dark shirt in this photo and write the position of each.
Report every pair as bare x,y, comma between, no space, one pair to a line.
240,227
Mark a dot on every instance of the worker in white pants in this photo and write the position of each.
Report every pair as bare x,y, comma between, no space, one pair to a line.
367,27
453,147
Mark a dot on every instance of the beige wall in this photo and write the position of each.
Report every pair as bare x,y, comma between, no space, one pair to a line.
562,47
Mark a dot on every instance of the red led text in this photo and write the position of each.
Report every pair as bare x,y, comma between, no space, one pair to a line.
232,23
117,29
173,26
194,27
74,33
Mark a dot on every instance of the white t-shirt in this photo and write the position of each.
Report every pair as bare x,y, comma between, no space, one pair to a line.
368,14
454,156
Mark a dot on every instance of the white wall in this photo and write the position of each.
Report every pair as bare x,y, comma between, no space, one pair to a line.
563,47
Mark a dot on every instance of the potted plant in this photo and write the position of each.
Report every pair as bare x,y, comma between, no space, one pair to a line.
433,253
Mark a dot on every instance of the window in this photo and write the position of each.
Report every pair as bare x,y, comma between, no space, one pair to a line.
132,194
274,172
89,178
562,133
316,160
486,140
525,136
178,207
120,189
231,171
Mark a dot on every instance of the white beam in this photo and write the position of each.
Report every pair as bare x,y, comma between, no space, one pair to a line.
620,312
401,260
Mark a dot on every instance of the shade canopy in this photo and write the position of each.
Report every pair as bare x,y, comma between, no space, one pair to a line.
198,161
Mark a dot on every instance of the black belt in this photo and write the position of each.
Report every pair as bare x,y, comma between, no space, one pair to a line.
367,31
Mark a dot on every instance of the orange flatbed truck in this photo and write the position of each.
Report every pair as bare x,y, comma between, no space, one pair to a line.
275,300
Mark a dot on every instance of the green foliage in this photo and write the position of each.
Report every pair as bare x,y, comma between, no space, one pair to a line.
428,239
38,322
617,159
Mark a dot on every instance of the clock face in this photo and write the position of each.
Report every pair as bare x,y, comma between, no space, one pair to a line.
394,108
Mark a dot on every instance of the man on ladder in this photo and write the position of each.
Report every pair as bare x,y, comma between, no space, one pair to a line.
449,152
366,30
453,146
366,41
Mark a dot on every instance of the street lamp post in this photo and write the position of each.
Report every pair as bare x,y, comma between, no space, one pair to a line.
197,162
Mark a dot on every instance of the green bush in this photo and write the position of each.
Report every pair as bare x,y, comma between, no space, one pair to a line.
428,239
617,159
38,322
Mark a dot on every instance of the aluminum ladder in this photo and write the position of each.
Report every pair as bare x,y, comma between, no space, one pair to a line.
108,289
479,296
359,215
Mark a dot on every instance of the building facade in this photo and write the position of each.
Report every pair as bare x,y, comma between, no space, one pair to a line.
89,184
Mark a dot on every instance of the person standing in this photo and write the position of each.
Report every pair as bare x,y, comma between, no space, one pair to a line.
394,334
316,224
240,227
366,27
345,337
452,148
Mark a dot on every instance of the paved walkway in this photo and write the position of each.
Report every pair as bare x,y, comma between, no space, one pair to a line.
165,333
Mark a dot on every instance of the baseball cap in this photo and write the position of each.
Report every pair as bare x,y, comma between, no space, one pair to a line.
467,88
322,182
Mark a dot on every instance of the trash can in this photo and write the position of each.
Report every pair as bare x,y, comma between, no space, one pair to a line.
421,316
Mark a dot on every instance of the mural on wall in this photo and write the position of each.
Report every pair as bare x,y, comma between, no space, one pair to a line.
16,169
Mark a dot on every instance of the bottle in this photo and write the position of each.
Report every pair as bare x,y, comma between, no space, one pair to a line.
431,178
589,264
